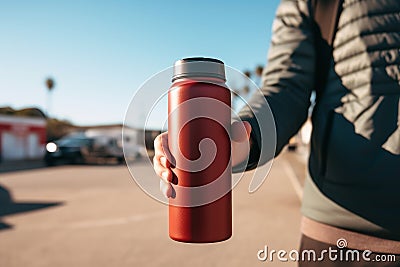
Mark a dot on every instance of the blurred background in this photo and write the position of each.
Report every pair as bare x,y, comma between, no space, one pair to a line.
68,70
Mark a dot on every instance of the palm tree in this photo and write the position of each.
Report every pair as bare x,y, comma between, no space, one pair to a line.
245,90
259,70
50,86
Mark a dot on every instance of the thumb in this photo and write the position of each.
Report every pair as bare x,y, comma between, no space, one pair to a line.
240,131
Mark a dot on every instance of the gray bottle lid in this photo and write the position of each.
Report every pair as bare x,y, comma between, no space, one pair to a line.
199,67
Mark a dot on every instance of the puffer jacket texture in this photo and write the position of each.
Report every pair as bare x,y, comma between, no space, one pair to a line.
355,148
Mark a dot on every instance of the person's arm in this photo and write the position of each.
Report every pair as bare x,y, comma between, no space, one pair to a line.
288,80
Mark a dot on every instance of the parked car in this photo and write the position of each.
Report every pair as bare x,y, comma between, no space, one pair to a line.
69,149
93,144
78,148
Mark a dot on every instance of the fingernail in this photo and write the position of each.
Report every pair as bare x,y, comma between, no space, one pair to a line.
164,188
165,175
163,161
168,192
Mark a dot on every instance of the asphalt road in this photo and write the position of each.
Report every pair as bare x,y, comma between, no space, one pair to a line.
98,216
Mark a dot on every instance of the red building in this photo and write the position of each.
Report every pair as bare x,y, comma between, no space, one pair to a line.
22,137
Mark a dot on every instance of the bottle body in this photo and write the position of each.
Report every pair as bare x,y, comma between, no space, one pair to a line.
200,110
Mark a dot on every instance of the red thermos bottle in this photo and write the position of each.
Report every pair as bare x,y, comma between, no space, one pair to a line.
199,102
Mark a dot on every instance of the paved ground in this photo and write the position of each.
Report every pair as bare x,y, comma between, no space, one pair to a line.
17,165
97,216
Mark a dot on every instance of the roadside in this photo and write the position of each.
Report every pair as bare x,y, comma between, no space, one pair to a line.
21,165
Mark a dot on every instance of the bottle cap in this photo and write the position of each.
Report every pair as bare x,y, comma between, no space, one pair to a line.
199,67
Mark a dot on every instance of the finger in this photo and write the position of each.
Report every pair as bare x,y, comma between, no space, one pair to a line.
164,162
161,171
241,131
169,161
161,150
164,142
166,189
158,148
161,142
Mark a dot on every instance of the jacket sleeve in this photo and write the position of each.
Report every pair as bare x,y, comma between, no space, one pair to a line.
287,83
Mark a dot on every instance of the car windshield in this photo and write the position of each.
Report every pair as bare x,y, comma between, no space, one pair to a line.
74,142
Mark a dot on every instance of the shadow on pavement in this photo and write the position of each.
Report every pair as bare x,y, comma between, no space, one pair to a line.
9,207
4,226
21,165
25,165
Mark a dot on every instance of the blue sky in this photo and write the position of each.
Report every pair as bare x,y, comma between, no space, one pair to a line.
100,52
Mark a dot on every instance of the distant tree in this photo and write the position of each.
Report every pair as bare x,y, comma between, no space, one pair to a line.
247,73
246,89
58,128
259,70
50,84
30,112
7,110
26,112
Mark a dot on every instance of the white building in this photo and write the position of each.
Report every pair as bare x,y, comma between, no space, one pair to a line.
22,137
